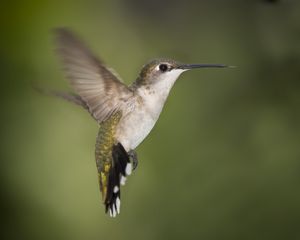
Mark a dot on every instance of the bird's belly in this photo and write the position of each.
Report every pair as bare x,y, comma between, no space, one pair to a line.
134,128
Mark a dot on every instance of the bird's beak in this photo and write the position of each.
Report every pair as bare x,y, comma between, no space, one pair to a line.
204,65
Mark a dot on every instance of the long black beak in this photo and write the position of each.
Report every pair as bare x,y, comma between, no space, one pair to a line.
191,66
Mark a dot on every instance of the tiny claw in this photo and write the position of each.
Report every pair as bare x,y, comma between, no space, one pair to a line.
133,158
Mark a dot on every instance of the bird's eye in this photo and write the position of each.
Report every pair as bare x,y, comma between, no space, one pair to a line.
163,67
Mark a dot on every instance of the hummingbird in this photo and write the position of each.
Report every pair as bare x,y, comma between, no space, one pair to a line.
125,114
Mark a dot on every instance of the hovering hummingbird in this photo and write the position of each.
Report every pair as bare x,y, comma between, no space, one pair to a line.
126,114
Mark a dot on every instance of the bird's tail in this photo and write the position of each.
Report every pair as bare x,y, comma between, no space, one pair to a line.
113,163
121,168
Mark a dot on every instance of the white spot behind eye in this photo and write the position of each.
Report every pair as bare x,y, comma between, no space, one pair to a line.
157,67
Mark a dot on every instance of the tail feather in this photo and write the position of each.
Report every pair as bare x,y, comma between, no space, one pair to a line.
117,175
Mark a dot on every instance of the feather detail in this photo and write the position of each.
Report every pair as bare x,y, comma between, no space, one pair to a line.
98,86
113,164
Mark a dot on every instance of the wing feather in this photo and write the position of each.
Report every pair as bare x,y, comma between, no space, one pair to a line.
98,86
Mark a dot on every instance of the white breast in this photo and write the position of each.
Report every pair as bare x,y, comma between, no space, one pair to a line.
135,126
133,129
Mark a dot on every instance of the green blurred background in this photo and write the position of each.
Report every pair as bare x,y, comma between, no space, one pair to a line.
223,162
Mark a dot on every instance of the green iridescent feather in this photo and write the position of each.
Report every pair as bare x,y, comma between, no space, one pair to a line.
103,152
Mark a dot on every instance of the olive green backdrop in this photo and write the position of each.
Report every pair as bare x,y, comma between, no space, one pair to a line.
223,161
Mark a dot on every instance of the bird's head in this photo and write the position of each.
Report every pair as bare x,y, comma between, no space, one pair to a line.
167,71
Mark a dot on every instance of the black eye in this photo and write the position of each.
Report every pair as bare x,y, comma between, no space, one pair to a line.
163,67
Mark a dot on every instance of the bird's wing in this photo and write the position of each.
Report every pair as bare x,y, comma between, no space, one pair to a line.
101,90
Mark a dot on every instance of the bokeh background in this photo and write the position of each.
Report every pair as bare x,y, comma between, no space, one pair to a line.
223,161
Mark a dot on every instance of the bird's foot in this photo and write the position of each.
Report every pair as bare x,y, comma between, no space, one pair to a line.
133,158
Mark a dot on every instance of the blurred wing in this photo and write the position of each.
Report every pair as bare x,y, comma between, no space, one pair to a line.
99,88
